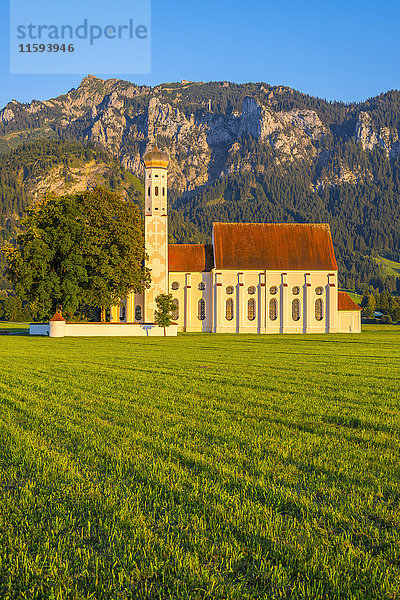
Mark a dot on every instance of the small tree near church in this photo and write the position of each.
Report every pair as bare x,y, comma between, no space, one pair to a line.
163,313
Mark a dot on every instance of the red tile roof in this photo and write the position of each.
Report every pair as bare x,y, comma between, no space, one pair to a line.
273,246
346,303
190,258
57,317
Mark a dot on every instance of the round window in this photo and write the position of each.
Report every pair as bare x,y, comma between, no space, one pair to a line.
273,290
202,285
175,285
319,290
229,289
251,290
296,290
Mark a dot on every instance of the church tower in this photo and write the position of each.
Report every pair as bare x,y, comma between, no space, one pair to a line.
156,228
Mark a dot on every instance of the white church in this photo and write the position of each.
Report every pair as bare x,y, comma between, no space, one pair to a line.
252,278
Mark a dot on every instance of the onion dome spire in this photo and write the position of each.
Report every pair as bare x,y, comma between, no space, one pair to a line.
156,157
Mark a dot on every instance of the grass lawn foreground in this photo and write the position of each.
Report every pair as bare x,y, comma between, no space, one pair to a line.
203,466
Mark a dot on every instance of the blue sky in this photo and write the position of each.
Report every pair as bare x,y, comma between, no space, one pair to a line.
343,50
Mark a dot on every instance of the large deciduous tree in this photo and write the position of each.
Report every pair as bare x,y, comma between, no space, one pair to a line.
78,250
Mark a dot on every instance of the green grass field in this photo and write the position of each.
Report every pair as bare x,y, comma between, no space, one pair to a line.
200,467
390,267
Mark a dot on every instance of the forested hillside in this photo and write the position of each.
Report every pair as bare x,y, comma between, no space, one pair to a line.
238,152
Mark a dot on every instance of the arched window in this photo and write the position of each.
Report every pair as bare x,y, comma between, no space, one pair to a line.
201,309
175,310
273,309
251,309
229,309
138,312
156,190
163,191
149,191
319,309
296,309
122,313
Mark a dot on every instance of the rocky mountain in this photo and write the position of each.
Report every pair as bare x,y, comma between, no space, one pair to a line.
240,152
201,125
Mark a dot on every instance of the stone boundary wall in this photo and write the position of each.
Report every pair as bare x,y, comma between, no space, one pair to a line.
63,329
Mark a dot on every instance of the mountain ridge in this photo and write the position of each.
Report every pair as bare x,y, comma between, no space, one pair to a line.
243,152
201,123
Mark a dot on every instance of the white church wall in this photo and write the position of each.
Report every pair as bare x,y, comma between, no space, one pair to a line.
179,295
309,283
201,301
274,282
243,319
215,296
189,294
279,287
349,321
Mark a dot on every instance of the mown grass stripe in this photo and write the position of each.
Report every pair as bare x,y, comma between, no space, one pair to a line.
200,467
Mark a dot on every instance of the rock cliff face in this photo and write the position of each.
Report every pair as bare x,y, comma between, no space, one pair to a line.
80,178
202,126
6,115
370,135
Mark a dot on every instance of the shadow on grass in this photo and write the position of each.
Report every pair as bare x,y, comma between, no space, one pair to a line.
14,331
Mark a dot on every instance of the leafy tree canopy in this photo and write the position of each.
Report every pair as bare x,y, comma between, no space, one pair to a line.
78,251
